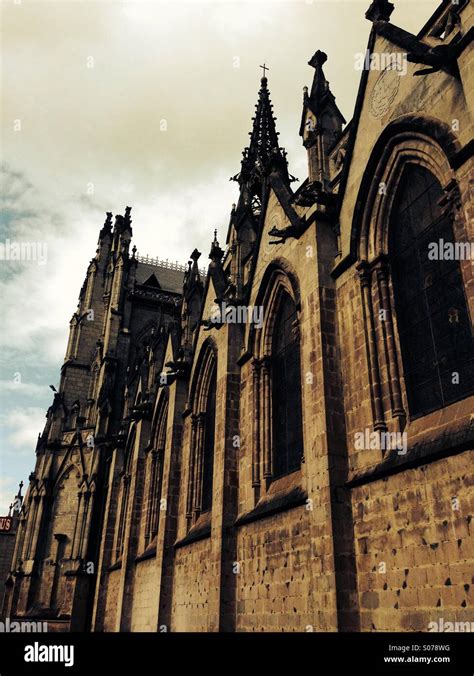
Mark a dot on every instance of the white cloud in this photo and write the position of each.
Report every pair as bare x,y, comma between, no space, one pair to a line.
18,387
8,489
21,429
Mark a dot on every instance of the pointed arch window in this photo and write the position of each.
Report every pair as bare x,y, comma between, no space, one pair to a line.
434,326
287,434
276,387
208,450
203,423
124,495
155,473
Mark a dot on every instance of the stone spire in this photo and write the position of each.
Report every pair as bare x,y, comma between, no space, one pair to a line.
263,155
122,232
216,271
216,252
17,501
193,289
192,277
321,121
123,223
128,219
320,87
107,227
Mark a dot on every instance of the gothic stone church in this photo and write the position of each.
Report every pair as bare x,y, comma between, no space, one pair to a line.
202,474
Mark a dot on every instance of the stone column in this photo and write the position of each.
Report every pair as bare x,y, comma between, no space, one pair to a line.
123,514
39,499
192,454
75,547
30,524
20,539
256,427
199,465
86,517
381,269
266,418
151,474
152,507
157,495
365,277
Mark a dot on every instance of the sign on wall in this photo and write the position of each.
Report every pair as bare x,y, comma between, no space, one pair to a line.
5,524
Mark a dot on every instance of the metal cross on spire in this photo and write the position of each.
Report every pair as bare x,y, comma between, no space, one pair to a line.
264,68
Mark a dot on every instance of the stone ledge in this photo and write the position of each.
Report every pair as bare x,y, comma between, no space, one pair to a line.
149,552
427,447
284,494
200,531
245,356
115,566
41,614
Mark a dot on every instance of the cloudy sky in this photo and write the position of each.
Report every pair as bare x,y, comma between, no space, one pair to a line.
141,103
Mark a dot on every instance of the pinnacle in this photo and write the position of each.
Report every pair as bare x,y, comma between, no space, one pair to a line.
263,154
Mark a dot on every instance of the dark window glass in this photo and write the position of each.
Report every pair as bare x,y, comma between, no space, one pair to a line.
156,476
124,497
433,321
286,391
208,452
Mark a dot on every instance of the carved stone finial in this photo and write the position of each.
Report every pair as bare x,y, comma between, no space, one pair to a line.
320,87
195,256
380,10
216,252
318,59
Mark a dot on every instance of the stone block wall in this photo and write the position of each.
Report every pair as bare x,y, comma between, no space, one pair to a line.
274,583
414,544
192,580
144,606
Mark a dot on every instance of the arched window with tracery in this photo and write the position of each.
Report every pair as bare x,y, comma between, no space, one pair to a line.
124,494
286,390
209,439
203,423
277,438
155,464
434,326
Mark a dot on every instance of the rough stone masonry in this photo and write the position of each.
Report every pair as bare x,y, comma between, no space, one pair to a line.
198,474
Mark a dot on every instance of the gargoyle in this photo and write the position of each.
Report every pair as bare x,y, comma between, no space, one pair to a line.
441,56
209,324
313,193
284,234
179,369
141,411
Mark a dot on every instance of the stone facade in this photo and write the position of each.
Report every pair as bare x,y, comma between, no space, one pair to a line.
158,503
